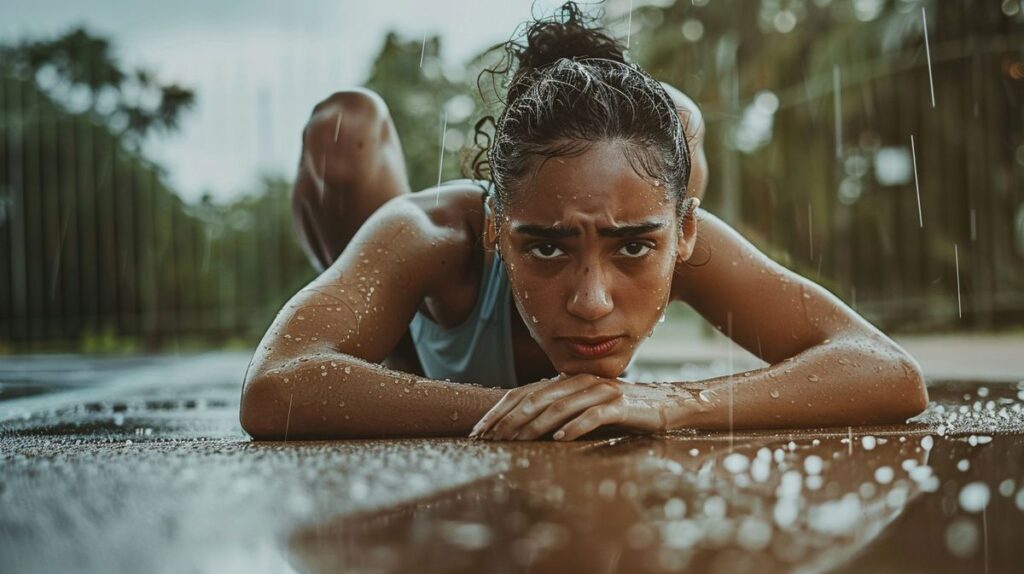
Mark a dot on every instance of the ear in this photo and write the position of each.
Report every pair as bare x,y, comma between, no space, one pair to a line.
490,226
688,230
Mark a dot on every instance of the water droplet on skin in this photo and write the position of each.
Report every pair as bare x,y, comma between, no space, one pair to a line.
348,370
813,378
301,318
774,393
844,361
534,317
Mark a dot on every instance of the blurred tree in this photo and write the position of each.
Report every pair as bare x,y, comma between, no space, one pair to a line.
422,98
811,106
79,70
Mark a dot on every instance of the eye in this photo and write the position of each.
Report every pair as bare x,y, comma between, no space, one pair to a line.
545,251
635,249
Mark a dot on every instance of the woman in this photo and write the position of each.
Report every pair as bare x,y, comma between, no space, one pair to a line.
526,297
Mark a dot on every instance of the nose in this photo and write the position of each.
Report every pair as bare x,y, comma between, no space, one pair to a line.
591,298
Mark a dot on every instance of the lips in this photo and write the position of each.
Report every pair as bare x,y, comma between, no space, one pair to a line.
592,347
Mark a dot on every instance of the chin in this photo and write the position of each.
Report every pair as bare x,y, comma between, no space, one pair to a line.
607,367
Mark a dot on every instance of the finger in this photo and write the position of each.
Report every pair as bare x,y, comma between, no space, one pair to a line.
564,410
506,403
502,407
534,403
596,416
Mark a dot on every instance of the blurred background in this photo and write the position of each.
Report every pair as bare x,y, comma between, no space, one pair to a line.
147,149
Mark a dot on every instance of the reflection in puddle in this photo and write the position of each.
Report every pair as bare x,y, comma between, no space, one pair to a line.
865,499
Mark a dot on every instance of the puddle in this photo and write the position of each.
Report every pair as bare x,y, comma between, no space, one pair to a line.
898,499
160,478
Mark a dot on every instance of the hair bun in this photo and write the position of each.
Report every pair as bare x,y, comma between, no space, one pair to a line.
567,34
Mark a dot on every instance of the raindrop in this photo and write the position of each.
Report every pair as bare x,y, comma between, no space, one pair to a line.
974,496
962,537
813,464
883,475
736,463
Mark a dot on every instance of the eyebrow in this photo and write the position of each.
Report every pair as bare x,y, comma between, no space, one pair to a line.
561,232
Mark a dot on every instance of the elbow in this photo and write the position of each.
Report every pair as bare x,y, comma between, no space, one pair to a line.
913,392
261,409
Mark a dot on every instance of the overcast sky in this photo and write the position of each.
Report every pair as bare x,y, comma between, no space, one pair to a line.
258,66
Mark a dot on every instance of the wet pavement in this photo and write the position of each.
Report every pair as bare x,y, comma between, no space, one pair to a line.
149,471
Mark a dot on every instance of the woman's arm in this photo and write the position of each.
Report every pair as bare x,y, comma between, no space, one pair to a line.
315,374
829,367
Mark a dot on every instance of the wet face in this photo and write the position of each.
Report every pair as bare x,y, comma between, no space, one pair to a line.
590,248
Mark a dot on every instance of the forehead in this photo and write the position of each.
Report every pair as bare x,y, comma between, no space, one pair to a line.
598,186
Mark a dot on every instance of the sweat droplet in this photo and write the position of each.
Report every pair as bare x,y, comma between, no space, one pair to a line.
534,319
813,378
774,393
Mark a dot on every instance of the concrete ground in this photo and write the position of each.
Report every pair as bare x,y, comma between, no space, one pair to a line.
139,465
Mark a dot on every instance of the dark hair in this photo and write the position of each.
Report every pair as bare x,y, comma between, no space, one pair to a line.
573,85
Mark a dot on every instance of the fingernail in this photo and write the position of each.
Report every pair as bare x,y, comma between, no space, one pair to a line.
559,435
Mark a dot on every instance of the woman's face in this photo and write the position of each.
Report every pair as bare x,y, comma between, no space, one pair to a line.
590,249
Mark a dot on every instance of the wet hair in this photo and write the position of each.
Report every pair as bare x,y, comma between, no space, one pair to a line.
571,86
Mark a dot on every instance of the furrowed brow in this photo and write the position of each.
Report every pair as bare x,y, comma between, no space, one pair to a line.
560,232
547,232
630,230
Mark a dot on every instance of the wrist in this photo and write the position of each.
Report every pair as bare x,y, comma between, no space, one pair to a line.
679,407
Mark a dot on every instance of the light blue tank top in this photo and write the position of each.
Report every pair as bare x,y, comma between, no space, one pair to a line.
480,349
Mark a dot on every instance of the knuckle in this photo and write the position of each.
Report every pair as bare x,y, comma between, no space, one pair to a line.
529,404
559,407
612,388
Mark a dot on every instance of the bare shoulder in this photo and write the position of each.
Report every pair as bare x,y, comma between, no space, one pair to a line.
689,111
434,232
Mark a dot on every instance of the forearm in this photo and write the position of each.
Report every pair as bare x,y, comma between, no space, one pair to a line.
339,396
850,381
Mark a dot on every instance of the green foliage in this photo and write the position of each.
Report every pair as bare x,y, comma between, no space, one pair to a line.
824,203
78,71
420,98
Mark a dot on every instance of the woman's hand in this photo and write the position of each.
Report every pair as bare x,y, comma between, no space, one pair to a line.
573,405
